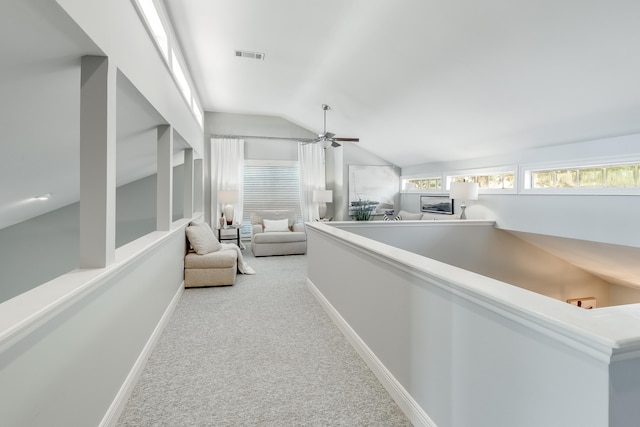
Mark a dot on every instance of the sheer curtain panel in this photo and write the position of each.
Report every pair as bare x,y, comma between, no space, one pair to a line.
312,177
227,160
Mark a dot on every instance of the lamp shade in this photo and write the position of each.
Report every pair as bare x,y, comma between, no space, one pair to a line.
464,191
228,196
322,196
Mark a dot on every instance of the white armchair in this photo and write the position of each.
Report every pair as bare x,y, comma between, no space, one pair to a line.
276,232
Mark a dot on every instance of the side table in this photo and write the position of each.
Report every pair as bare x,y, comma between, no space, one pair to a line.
236,238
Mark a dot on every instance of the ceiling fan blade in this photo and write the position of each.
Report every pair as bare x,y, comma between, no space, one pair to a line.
347,139
328,135
334,144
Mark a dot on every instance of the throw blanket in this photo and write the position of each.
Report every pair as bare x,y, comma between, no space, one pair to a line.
243,267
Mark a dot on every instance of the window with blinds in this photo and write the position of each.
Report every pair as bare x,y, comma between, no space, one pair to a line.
270,185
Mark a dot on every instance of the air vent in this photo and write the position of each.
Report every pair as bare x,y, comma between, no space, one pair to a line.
252,55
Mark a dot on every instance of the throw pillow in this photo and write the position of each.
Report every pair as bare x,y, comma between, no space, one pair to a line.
273,225
202,239
409,215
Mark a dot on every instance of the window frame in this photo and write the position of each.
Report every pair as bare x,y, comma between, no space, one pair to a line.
526,170
293,164
171,55
405,178
497,170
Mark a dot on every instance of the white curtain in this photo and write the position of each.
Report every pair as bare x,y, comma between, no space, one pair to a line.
312,177
227,162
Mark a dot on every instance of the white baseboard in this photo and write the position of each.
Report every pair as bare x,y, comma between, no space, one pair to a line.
403,399
117,406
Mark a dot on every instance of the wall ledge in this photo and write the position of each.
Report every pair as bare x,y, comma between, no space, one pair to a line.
25,312
604,334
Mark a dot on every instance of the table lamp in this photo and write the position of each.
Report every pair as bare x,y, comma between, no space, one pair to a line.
322,197
227,198
463,191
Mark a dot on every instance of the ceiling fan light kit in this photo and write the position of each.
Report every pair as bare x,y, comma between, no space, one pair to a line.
327,139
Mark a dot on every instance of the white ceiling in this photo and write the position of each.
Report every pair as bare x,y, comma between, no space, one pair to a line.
418,81
423,80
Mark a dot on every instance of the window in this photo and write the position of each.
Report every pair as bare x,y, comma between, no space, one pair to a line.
155,25
270,185
197,112
488,181
152,17
614,176
183,84
422,184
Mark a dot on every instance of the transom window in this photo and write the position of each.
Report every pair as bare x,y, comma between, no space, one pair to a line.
603,176
155,20
422,184
490,181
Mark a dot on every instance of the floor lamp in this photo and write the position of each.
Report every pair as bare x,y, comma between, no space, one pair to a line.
227,198
464,191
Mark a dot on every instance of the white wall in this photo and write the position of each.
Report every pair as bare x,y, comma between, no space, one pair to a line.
65,364
461,350
255,148
493,253
606,219
117,29
337,159
355,154
69,346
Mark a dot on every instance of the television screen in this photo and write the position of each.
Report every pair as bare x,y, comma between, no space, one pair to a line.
436,204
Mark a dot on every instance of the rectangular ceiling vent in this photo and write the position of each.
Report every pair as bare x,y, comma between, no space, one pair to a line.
252,55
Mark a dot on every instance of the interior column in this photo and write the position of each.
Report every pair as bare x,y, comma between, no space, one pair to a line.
164,189
188,184
97,161
198,185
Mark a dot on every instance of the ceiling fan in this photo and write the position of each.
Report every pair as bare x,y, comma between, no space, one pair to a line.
328,138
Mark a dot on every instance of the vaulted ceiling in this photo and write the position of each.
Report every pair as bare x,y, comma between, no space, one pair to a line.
421,81
417,81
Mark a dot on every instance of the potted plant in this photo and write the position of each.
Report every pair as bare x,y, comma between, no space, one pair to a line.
362,210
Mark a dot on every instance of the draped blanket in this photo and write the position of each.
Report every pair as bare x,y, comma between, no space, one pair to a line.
243,267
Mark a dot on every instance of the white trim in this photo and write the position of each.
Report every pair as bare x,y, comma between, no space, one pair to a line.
422,176
399,394
119,402
585,162
482,171
279,163
598,337
29,310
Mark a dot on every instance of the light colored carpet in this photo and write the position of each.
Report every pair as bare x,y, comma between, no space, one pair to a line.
259,353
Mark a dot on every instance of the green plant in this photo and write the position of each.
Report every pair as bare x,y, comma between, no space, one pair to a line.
362,210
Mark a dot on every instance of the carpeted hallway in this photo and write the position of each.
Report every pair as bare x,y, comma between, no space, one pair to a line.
262,352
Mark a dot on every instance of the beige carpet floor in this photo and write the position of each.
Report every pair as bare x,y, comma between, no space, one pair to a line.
259,353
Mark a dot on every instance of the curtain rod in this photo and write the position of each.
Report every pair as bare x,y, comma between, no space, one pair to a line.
261,137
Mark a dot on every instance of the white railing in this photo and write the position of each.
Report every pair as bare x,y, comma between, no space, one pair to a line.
457,348
88,330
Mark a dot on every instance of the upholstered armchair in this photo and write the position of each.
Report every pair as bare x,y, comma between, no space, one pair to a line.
276,232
